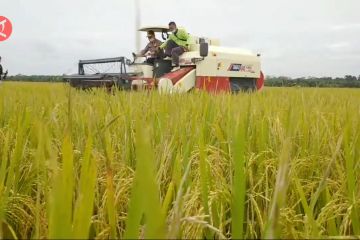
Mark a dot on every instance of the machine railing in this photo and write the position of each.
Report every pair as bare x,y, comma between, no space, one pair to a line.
121,60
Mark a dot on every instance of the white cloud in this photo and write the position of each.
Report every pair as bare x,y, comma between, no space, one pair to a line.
339,45
349,26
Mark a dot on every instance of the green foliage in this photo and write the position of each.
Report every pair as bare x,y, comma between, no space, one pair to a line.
34,78
346,82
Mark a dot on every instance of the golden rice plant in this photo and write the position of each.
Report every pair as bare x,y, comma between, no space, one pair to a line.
282,163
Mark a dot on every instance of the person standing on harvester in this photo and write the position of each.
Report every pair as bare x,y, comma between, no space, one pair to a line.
176,44
3,74
1,70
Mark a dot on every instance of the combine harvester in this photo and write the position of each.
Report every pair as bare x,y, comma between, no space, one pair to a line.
206,66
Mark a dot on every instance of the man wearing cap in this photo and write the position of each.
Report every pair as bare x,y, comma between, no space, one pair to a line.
2,77
1,70
176,44
152,50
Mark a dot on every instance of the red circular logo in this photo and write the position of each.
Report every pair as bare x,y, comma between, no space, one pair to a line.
5,28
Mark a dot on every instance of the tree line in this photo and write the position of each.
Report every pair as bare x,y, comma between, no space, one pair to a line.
347,81
35,78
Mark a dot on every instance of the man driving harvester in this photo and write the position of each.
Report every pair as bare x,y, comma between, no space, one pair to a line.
176,44
152,50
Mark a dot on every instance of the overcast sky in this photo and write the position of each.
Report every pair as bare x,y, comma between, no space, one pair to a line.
295,38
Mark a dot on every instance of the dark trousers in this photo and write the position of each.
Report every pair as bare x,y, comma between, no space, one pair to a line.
150,61
173,50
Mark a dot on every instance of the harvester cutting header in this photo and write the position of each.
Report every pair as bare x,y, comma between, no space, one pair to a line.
179,64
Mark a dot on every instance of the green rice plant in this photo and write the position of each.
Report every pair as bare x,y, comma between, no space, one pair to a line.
145,186
61,196
350,160
239,181
281,163
85,197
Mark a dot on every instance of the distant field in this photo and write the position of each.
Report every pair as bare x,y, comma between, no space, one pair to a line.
282,163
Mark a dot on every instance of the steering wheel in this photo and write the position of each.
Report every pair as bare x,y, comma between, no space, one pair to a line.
164,35
129,62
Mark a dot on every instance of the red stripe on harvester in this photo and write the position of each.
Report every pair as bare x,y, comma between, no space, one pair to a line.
213,84
260,81
177,75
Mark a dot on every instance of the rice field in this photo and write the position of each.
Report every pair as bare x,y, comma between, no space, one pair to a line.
282,163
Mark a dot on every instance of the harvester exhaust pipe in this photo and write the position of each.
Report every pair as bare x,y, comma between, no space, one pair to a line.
204,49
137,24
